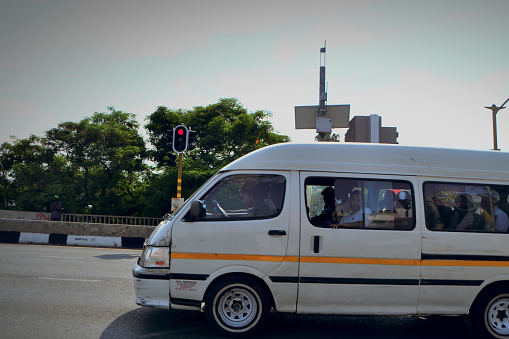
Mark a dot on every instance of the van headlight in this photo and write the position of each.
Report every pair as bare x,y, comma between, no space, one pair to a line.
155,257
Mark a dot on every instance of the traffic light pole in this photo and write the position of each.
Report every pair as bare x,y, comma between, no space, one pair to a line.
182,140
179,179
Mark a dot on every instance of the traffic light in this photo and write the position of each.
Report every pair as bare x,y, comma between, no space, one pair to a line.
180,135
172,160
191,141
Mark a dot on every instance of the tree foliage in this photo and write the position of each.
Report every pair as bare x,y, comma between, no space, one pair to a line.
102,161
333,137
94,162
225,132
105,154
33,173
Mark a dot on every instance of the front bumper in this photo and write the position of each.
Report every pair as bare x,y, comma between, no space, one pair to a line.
152,286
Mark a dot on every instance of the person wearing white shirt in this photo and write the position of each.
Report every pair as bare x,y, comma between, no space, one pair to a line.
356,216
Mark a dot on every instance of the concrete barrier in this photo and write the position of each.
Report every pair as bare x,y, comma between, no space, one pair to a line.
73,233
9,214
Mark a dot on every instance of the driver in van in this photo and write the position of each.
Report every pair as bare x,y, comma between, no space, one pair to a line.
256,199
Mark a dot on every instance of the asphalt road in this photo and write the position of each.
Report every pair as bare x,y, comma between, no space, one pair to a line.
73,292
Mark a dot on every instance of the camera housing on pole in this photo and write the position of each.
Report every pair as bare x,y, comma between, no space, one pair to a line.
323,118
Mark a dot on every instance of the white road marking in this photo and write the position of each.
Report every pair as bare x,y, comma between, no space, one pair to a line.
69,279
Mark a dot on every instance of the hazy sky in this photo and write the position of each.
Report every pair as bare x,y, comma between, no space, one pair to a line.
426,67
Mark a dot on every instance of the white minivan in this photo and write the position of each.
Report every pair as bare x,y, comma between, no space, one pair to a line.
335,228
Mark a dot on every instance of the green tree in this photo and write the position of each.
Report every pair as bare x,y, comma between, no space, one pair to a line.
34,174
102,160
225,132
332,137
106,155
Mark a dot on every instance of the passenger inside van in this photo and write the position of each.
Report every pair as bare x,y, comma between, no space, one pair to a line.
404,199
503,203
357,216
432,208
464,216
329,205
500,219
343,189
487,214
388,204
386,214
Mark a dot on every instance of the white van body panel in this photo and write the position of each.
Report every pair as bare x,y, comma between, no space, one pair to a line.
204,250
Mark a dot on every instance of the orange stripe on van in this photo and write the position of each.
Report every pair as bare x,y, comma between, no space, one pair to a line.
291,259
479,263
215,256
335,260
359,261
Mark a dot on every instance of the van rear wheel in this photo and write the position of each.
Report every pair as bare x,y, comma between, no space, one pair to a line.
491,315
236,306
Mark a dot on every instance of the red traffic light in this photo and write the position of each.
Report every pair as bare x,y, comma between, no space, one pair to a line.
180,139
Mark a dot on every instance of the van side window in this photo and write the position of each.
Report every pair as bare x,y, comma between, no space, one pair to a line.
466,207
245,196
359,203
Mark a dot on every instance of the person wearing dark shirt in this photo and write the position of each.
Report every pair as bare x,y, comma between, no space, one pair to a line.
329,205
56,209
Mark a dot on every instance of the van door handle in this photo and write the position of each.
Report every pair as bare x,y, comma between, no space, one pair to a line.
316,244
277,232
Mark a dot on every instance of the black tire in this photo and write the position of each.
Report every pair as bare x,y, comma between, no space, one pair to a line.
236,306
490,316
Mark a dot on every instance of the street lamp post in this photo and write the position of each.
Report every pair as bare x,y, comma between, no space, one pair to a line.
494,110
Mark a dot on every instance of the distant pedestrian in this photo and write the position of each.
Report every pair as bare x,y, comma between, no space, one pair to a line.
56,209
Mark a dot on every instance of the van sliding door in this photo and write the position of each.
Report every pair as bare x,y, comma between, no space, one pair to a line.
359,245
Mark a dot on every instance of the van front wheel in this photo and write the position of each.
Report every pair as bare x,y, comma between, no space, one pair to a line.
491,315
236,306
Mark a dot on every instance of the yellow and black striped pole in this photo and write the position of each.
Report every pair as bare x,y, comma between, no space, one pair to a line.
179,179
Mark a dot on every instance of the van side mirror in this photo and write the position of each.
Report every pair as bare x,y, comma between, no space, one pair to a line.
196,212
